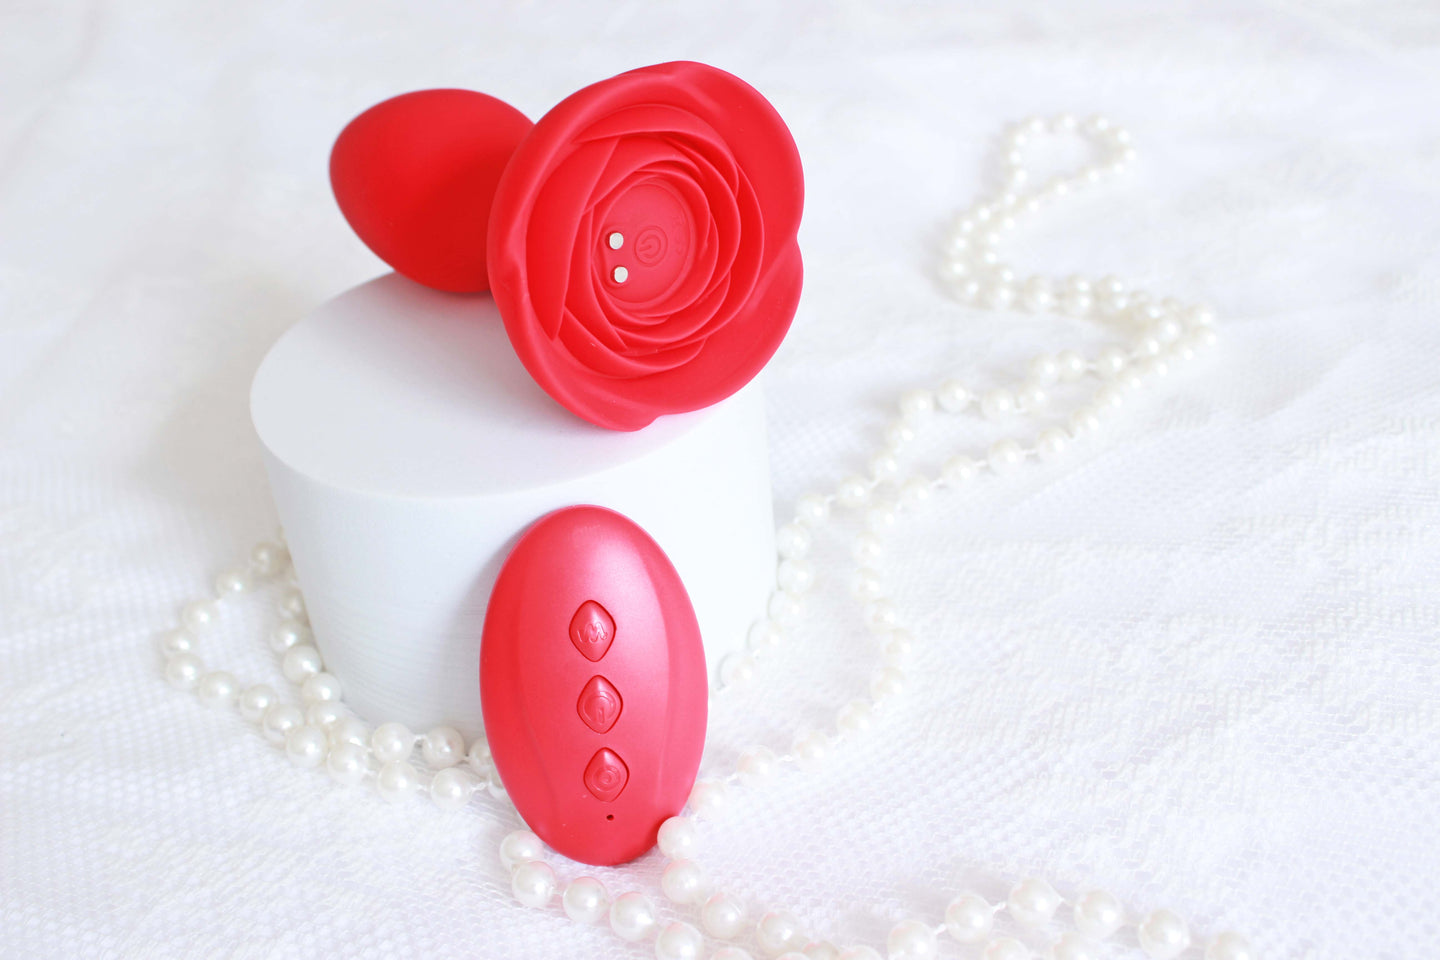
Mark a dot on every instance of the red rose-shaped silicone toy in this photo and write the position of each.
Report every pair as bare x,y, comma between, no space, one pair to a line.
641,245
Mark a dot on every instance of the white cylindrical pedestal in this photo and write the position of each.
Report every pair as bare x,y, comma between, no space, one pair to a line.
407,449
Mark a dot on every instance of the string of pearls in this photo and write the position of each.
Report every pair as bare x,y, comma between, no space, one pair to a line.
1163,334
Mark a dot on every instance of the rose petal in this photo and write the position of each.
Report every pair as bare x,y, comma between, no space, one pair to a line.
549,242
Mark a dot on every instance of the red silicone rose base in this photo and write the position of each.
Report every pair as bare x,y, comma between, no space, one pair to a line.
639,239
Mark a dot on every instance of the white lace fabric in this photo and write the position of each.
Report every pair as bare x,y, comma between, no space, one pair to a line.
1195,661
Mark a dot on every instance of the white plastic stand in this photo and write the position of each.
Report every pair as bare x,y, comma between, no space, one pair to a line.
407,449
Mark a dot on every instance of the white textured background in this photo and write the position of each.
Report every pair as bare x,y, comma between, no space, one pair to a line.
1197,663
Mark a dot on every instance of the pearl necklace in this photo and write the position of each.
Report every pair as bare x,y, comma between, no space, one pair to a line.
1164,334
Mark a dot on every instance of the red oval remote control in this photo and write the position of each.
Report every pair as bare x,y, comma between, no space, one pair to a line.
592,684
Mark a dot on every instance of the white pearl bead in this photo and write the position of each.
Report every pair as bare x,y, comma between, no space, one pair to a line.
254,701
1005,457
709,798
1202,338
320,687
778,932
678,838
755,765
867,549
495,786
997,404
1076,304
1168,329
679,941
288,634
794,576
1070,366
866,584
1033,902
897,648
955,270
451,788
1005,948
632,916
959,470
812,509
792,541
585,900
172,642
888,684
1044,369
392,742
279,720
1084,421
200,616
898,433
969,918
292,604
324,714
217,689
1035,294
347,763
306,746
860,953
967,291
301,662
852,492
880,615
1073,946
884,466
997,296
232,583
730,953
1098,914
952,396
478,756
810,748
397,782
915,491
350,730
533,883
1109,286
519,846
442,747
683,882
1032,398
785,607
854,717
880,516
912,940
1163,935
917,404
737,669
764,635
1110,362
1051,443
723,916
820,950
1109,397
269,559
1229,946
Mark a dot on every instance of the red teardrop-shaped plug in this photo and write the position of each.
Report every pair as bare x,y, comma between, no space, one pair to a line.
415,176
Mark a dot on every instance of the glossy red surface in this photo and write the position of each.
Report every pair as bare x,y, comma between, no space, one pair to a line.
592,683
415,177
698,180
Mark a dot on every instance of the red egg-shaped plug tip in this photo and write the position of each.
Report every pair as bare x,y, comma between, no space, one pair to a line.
415,176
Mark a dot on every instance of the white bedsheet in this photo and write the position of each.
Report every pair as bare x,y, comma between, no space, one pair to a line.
1197,662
